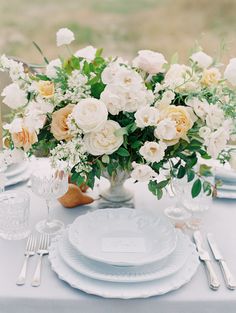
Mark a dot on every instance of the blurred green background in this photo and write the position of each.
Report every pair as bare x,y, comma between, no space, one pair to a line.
122,27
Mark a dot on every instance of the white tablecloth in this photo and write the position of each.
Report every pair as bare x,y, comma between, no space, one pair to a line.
55,296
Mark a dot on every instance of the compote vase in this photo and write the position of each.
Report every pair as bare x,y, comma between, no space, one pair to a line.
117,195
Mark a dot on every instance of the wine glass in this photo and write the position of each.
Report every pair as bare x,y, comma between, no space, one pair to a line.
49,184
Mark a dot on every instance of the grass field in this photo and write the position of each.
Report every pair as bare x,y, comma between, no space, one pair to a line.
120,26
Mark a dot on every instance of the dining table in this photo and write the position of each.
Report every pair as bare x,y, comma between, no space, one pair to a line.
55,296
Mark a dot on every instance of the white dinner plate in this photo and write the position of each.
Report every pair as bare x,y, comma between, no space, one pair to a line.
123,237
123,290
19,178
16,169
112,273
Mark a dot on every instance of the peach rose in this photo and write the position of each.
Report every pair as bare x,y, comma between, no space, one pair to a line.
210,76
46,88
24,138
184,119
59,126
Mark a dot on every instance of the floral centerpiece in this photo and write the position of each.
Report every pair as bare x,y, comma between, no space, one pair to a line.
99,116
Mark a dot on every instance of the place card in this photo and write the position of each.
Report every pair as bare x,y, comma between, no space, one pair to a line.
124,244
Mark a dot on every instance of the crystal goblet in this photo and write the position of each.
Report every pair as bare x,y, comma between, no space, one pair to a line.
49,184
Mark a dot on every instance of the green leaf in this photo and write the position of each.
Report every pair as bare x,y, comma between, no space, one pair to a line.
123,152
205,170
190,175
196,188
97,89
163,184
153,187
181,172
137,144
41,52
76,178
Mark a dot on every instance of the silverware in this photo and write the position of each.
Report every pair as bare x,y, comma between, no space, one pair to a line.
42,250
30,250
228,277
205,257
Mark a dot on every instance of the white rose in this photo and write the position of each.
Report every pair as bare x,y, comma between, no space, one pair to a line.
14,97
178,78
104,141
147,116
166,129
217,142
110,72
113,99
136,98
64,37
200,107
142,172
202,59
87,53
230,72
51,70
149,61
90,114
153,151
204,132
215,117
125,77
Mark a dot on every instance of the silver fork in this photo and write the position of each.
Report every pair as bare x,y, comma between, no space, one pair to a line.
30,250
42,250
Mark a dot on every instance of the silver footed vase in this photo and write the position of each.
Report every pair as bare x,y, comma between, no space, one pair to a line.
117,195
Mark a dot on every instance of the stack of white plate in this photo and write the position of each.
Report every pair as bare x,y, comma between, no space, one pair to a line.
16,173
123,253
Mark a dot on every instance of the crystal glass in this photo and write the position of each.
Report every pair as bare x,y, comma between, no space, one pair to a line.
49,184
14,215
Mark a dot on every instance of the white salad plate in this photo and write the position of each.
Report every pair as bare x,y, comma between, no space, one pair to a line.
123,290
106,272
16,169
123,237
18,178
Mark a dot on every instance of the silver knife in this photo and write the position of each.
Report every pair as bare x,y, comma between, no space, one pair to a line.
205,257
228,277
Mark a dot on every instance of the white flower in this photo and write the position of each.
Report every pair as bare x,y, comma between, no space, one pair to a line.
200,107
14,96
104,141
64,37
179,78
142,172
158,87
153,151
15,126
215,117
230,72
113,99
136,98
125,77
149,61
77,80
167,97
202,59
87,53
110,72
166,129
90,114
16,69
147,116
51,69
217,142
204,132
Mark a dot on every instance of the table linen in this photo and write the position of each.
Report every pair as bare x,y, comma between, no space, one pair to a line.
55,296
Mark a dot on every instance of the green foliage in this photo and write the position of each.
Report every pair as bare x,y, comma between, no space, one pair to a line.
196,188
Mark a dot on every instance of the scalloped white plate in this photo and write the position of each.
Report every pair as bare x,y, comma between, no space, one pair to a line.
123,237
106,272
123,290
25,175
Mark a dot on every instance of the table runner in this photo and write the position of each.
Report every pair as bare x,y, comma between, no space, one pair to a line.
55,296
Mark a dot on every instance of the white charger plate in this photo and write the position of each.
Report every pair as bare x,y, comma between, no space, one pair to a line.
123,237
106,272
123,290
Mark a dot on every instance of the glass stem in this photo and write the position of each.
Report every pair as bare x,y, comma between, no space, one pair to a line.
49,217
2,189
